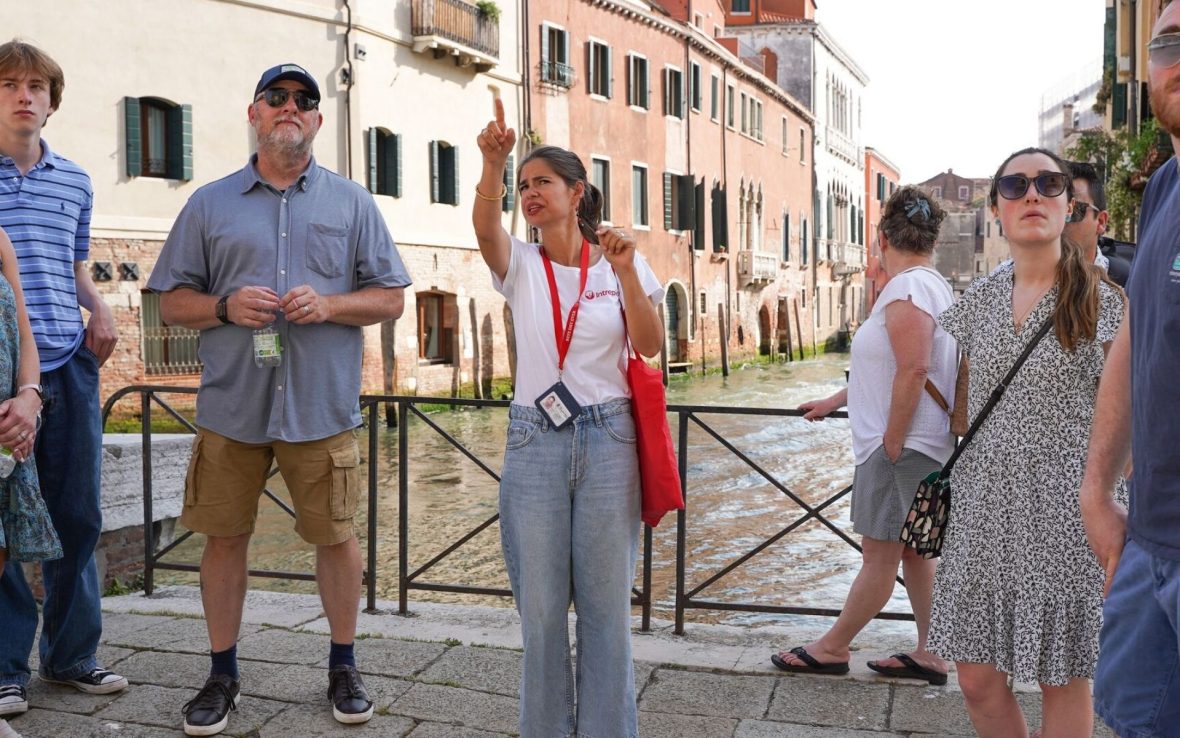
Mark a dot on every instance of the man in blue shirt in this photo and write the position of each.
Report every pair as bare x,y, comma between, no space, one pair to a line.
1135,687
279,265
45,205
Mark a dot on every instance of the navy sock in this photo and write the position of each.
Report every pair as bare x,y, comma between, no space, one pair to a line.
225,662
341,655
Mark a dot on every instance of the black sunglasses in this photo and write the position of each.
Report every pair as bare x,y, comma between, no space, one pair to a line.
276,97
1079,211
1013,186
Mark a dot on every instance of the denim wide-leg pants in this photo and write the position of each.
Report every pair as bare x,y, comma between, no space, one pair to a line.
569,526
69,454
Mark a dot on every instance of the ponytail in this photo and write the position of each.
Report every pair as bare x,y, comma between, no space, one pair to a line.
1075,317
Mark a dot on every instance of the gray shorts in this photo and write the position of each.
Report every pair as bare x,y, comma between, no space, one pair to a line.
882,492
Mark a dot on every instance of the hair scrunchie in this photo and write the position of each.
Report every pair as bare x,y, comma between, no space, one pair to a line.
920,205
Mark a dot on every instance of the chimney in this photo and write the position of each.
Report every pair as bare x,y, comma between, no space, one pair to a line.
1067,117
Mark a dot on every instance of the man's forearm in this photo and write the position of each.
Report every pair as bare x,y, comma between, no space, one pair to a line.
366,306
188,308
1110,434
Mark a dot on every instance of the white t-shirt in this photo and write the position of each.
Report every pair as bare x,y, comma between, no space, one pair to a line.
595,366
870,381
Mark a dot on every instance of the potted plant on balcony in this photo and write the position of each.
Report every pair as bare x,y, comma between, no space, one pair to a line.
488,9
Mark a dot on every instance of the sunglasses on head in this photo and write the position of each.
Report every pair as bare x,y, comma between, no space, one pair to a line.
276,97
1164,50
1013,186
1078,214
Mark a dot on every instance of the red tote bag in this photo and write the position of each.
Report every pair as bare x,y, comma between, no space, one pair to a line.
658,470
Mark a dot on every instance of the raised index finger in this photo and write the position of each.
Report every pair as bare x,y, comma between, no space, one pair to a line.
499,107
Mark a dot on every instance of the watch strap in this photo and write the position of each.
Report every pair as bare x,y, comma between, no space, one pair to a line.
222,311
33,386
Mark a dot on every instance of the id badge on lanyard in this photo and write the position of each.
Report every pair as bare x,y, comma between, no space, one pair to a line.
557,403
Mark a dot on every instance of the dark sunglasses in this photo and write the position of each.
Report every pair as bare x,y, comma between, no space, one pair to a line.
276,97
1013,186
1079,211
1164,50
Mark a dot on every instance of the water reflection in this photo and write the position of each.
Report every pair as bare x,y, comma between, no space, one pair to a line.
732,509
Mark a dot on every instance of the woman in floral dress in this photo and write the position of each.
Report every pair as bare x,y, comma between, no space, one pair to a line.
1019,594
26,532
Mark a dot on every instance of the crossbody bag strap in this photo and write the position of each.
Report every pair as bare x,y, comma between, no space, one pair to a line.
937,396
997,393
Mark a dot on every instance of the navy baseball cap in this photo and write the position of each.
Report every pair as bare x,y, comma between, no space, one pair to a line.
287,71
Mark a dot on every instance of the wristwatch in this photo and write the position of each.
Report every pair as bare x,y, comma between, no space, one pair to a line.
222,311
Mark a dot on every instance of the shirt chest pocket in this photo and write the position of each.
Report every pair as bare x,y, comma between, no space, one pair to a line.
327,249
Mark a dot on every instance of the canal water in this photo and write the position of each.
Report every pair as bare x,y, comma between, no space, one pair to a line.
731,508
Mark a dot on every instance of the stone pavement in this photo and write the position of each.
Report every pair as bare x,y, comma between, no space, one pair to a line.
450,671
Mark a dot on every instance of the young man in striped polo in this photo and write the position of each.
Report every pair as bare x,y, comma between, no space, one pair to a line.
45,206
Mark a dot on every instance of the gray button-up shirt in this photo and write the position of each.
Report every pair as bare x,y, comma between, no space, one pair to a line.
324,231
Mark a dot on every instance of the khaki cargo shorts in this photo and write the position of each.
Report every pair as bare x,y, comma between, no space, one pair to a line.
226,478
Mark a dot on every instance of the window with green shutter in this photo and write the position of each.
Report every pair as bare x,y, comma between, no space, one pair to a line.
509,200
385,162
158,138
444,173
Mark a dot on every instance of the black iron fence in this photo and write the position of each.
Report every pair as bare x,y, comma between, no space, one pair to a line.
410,413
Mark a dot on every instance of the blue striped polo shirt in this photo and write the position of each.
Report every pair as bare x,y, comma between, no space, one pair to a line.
46,213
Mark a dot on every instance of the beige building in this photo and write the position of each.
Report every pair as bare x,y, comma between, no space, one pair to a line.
155,106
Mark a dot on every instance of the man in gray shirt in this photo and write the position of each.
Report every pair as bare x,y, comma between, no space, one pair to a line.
278,265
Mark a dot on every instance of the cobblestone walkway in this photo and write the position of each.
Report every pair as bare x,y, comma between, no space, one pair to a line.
463,685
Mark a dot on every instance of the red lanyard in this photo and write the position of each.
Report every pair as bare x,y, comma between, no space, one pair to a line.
565,337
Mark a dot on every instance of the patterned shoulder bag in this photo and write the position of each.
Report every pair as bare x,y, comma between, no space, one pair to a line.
924,526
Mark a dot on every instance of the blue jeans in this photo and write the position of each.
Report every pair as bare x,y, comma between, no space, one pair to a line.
569,525
68,453
1137,683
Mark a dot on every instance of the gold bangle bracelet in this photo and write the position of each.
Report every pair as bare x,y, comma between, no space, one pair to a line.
497,198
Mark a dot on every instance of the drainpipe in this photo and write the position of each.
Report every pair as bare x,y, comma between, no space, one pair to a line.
348,89
1133,90
724,320
692,233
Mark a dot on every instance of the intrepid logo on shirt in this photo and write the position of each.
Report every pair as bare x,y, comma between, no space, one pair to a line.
591,294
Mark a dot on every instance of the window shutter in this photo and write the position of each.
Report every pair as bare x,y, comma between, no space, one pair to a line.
698,230
666,76
684,92
510,184
786,236
646,86
686,202
179,146
610,77
591,72
630,79
668,200
374,185
454,175
133,136
434,171
546,67
396,169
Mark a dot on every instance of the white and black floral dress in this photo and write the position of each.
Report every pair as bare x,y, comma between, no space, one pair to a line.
1018,586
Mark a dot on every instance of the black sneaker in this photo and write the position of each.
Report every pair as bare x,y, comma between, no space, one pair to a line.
350,700
96,681
208,712
13,699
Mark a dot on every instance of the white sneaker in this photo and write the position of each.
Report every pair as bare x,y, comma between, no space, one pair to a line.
13,701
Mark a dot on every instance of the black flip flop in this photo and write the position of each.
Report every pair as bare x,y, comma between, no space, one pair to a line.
911,670
809,665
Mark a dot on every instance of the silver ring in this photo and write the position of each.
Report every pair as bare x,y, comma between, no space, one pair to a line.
306,308
24,435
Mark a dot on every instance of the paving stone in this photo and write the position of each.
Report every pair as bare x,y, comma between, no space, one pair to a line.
663,725
706,693
764,729
160,706
284,646
66,699
118,628
173,634
459,706
832,701
442,730
316,721
165,669
391,657
46,723
932,710
484,669
309,685
643,672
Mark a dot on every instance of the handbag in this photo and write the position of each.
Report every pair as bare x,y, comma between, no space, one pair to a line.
926,521
659,472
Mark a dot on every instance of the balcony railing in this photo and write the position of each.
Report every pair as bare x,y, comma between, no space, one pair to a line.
457,28
171,350
757,266
556,73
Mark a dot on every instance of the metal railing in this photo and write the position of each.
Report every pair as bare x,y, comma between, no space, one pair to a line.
171,350
556,73
411,577
456,21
